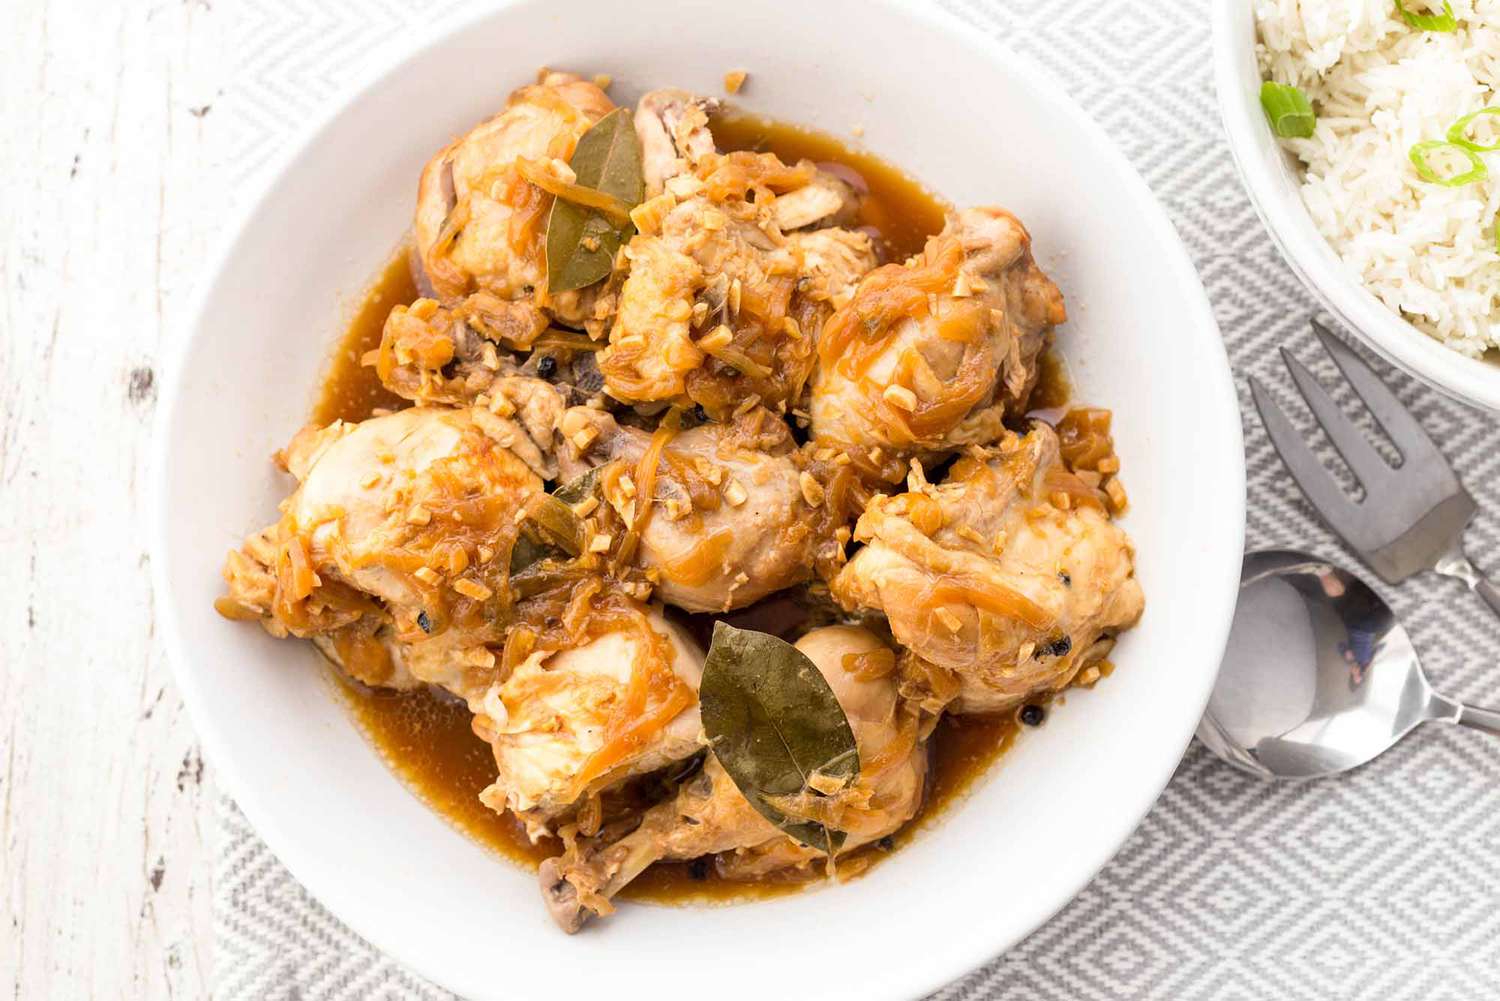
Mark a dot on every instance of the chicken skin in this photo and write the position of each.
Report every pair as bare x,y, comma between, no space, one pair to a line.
1005,581
570,722
726,286
709,815
480,224
392,537
931,355
728,520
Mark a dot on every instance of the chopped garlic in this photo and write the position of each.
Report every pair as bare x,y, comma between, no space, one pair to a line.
471,589
968,533
720,337
900,396
812,490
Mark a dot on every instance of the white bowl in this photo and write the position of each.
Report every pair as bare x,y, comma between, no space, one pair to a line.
1272,177
979,125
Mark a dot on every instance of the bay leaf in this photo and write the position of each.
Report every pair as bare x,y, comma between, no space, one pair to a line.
579,487
773,722
582,242
533,546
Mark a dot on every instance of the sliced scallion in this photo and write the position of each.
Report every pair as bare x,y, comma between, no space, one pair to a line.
1458,132
1477,172
1290,115
1429,22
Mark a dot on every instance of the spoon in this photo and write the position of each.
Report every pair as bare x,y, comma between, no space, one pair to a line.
1318,676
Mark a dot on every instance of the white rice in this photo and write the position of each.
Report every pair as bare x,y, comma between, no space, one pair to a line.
1378,87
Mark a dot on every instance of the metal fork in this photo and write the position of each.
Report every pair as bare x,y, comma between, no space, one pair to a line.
1413,514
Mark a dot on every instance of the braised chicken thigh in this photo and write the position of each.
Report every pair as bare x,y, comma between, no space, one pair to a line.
710,816
481,223
933,354
638,390
395,525
730,521
722,300
1003,582
566,723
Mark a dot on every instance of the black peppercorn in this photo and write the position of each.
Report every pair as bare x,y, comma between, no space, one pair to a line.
1056,648
1033,715
886,843
698,869
424,622
547,367
1065,577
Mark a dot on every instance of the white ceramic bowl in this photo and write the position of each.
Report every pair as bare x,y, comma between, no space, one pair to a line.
976,123
1271,175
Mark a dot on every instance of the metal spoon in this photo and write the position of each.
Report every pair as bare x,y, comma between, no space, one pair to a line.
1318,677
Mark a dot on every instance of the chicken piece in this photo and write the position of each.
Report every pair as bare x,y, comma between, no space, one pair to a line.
570,722
435,354
728,521
368,652
672,125
1004,582
721,301
392,537
710,816
932,354
480,225
830,263
825,201
431,354
256,576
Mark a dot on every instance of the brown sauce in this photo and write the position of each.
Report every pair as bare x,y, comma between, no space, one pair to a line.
898,206
352,391
425,738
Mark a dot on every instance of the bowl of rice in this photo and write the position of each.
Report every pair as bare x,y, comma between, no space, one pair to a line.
1368,135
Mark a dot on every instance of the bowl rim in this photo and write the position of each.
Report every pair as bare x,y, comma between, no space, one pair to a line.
1309,255
918,976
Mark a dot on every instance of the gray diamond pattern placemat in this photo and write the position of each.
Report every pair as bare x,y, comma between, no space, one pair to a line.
1381,885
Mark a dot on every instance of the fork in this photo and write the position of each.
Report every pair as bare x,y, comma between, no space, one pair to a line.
1413,514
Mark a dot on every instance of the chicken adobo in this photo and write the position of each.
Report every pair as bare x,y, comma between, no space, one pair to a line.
701,485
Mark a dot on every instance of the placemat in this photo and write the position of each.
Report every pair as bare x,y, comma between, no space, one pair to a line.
1380,885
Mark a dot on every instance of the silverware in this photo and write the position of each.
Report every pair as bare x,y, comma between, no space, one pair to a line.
1319,676
1413,515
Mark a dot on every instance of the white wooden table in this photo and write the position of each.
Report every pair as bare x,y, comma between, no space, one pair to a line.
126,129
106,112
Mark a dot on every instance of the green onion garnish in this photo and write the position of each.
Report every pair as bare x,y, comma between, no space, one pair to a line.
1287,108
1458,132
1429,22
1425,171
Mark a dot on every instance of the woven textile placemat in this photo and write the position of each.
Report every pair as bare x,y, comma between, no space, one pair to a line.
1384,884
